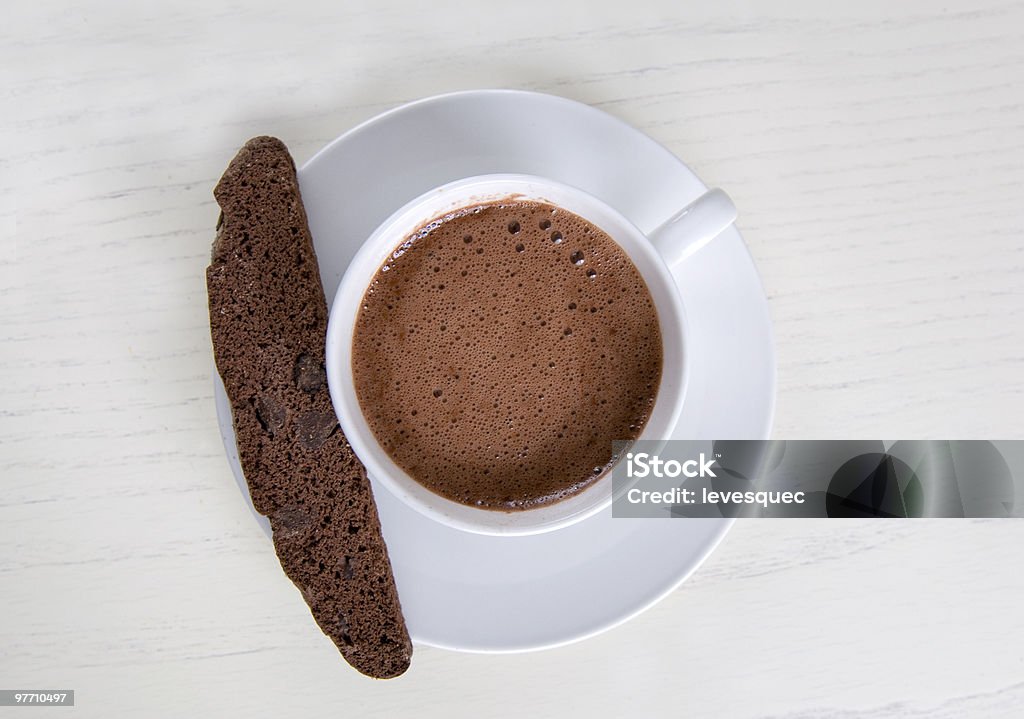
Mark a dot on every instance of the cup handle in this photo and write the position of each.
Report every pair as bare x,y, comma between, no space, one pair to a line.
694,226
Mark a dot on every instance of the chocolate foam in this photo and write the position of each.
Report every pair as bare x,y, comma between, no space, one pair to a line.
502,349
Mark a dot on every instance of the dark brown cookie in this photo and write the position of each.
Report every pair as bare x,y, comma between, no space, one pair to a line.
268,319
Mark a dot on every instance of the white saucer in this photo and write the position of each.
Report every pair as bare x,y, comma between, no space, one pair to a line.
479,593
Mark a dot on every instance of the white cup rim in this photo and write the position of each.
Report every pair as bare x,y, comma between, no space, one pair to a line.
374,253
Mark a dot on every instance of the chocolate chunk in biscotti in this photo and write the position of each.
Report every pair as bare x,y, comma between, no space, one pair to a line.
268,319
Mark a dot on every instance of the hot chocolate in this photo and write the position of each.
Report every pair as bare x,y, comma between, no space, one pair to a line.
501,350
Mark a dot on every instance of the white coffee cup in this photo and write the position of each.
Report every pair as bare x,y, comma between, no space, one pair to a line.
689,229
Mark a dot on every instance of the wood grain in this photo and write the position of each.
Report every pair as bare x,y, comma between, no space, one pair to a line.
876,153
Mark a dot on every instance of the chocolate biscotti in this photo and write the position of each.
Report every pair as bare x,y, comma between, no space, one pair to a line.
268,319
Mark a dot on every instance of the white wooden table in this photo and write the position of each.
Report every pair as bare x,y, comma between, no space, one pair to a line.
876,153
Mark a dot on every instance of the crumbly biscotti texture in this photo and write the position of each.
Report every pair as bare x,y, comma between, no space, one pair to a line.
268,319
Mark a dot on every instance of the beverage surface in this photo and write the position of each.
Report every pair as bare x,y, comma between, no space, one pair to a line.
501,350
